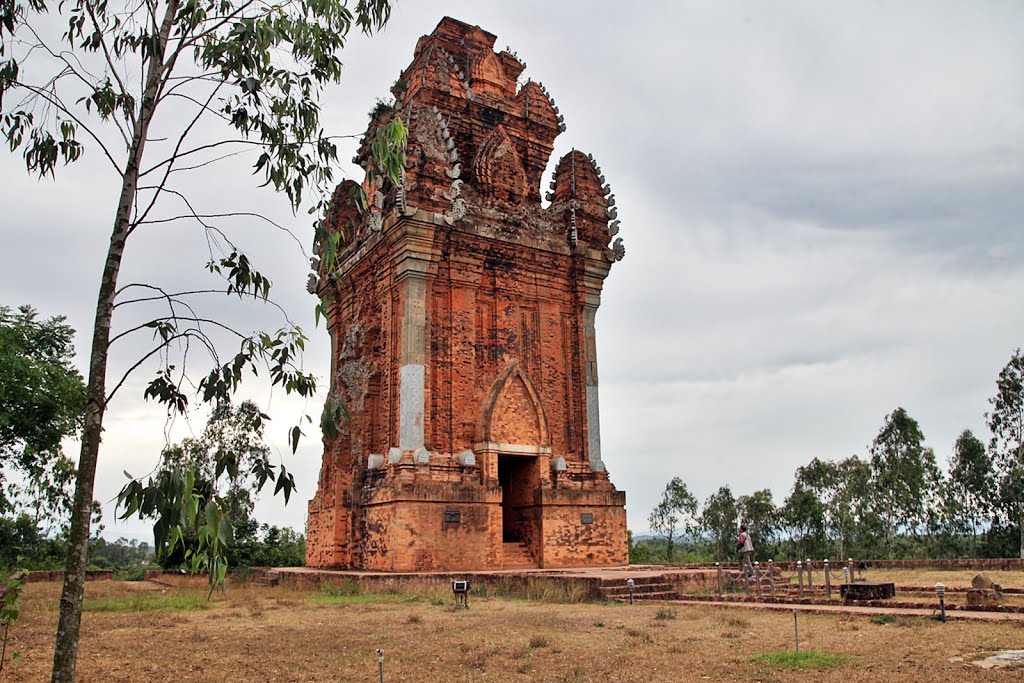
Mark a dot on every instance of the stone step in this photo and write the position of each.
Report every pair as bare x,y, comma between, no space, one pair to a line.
616,591
660,595
637,581
516,555
267,578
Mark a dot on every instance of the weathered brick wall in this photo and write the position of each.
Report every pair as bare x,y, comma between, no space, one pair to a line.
568,541
405,527
462,322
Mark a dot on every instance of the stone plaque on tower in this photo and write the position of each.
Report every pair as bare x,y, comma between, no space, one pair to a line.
462,320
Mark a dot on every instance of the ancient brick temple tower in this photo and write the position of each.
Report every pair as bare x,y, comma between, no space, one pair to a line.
462,322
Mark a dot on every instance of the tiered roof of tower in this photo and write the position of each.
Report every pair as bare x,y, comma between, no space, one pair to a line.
478,146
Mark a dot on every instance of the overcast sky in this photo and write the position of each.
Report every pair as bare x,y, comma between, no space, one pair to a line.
821,205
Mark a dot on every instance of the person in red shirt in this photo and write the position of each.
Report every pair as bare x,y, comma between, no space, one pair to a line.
745,547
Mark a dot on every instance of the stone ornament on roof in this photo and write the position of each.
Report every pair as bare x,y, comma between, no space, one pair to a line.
466,110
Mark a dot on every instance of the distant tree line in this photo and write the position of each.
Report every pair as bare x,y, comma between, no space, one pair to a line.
895,502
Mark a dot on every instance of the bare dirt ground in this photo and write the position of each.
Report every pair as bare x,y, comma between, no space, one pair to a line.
288,634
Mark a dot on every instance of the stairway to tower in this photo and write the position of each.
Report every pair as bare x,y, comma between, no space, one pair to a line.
517,555
644,588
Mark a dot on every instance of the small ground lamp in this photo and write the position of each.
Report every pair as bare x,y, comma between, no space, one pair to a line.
940,591
461,590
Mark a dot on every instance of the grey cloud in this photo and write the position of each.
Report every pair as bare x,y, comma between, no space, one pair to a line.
820,204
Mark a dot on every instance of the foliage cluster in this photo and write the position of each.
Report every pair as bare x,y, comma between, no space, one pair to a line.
10,597
42,399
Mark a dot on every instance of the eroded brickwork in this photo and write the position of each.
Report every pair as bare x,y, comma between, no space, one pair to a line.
461,316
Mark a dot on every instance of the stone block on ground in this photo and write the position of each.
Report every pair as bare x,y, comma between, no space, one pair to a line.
982,597
867,591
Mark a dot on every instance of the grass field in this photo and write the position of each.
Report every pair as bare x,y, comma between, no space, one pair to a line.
288,634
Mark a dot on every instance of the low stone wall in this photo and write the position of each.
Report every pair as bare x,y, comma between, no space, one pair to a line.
58,575
586,587
693,581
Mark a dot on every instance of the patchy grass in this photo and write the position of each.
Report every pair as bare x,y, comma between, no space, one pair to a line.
666,613
737,621
808,659
883,619
536,590
368,598
537,641
641,635
287,633
148,602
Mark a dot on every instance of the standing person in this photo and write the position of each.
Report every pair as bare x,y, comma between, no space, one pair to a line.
745,547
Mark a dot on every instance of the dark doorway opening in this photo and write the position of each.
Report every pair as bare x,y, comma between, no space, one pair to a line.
518,479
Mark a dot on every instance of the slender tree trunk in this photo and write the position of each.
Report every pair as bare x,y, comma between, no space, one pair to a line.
1022,536
65,653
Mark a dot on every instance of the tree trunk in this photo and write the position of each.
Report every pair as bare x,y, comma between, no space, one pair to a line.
1022,536
65,651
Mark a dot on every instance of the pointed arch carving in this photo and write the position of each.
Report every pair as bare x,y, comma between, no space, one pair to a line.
513,390
498,170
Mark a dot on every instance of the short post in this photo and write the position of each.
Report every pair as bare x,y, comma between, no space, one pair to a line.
718,567
940,591
629,586
849,567
757,578
380,663
796,633
771,575
810,586
828,580
800,577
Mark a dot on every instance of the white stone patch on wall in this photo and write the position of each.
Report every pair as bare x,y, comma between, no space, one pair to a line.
594,429
410,410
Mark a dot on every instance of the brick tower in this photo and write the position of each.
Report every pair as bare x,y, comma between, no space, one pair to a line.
461,317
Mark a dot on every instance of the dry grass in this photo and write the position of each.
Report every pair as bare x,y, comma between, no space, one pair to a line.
539,641
282,634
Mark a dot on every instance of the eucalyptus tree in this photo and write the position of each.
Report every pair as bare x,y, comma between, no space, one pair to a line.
969,493
719,521
1006,423
803,513
904,474
157,89
763,520
843,488
674,515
